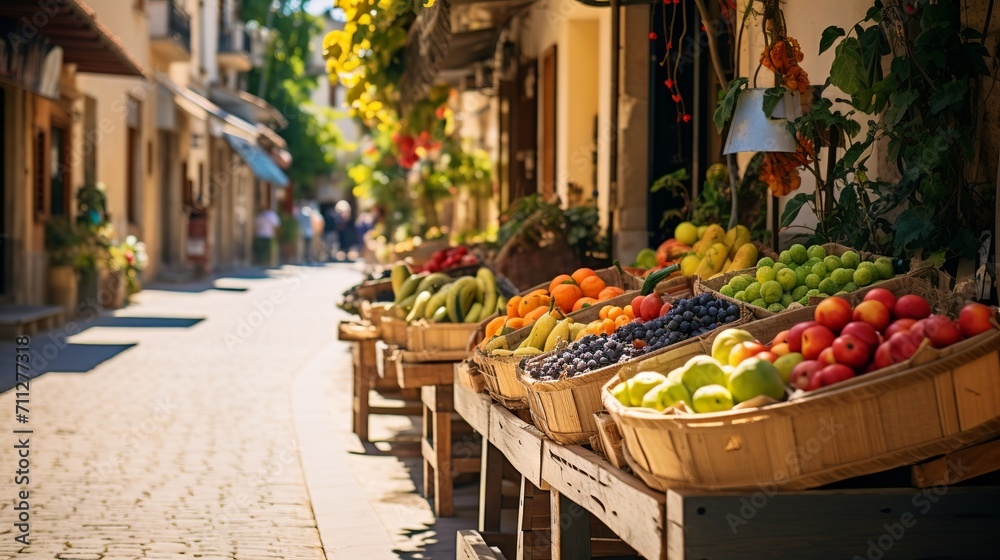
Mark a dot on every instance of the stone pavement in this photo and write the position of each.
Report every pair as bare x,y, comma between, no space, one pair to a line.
210,422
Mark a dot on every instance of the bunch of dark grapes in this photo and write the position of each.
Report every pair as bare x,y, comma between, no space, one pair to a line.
689,318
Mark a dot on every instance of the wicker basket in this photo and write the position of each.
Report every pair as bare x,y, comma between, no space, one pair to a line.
940,401
564,409
713,285
500,372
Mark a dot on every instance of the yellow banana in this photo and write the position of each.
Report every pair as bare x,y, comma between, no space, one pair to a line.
529,351
540,332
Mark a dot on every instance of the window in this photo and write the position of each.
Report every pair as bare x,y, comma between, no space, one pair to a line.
133,163
41,176
58,172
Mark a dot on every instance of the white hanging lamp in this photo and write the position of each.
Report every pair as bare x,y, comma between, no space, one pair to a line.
753,131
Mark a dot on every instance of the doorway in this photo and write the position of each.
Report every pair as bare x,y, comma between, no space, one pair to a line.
549,121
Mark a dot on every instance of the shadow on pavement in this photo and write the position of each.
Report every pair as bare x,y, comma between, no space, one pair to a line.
71,358
147,322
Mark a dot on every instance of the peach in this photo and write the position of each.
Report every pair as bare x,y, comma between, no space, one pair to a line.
834,313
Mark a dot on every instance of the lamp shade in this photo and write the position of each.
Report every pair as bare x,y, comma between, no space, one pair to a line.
752,131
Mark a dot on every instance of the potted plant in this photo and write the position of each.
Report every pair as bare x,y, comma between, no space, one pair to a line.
91,227
62,244
113,289
136,259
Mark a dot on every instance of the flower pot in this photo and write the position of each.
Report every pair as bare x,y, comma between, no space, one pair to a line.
63,288
752,131
88,292
113,289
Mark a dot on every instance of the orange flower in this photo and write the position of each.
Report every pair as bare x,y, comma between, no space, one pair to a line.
796,79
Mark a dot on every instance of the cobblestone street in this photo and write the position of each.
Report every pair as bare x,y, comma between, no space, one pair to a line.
183,442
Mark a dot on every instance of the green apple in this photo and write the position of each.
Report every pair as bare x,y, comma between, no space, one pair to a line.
712,398
666,395
641,384
620,392
786,364
701,371
753,378
724,343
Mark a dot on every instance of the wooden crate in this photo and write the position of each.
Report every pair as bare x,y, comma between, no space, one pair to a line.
393,331
564,409
468,375
469,545
713,285
939,401
349,331
446,339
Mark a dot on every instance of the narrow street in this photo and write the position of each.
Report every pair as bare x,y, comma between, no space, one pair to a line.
189,424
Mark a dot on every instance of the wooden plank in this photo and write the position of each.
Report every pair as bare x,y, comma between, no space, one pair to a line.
943,522
519,441
355,332
434,356
470,545
570,529
534,540
632,510
474,408
414,375
438,398
384,361
490,486
958,466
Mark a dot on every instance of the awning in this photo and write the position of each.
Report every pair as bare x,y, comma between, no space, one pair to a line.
72,25
248,107
260,163
200,107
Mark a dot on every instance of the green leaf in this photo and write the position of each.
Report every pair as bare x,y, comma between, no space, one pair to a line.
900,104
724,112
793,207
947,95
772,96
910,227
848,70
830,34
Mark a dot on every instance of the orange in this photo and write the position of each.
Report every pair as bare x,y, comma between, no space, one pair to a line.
566,296
604,312
534,315
583,303
582,273
494,326
622,320
512,306
609,292
561,279
608,326
615,313
628,311
531,302
515,323
592,286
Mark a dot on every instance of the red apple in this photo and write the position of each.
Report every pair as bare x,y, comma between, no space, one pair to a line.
834,374
650,308
744,351
795,335
815,340
912,307
942,331
804,373
768,356
883,356
637,306
975,319
902,346
865,332
665,309
781,349
875,313
834,313
883,295
827,357
782,338
851,351
899,325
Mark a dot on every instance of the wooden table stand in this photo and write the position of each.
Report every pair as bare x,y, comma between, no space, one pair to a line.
440,463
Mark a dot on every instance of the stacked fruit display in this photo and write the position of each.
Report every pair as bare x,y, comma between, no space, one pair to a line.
566,292
802,273
440,298
842,343
687,318
546,333
447,259
705,251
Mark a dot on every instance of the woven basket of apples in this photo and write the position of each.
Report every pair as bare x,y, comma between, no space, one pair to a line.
814,396
564,385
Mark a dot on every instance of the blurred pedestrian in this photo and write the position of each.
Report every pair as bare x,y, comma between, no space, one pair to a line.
305,221
265,250
346,232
